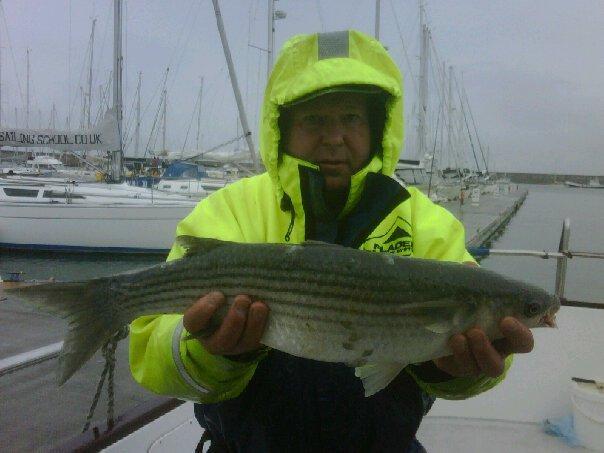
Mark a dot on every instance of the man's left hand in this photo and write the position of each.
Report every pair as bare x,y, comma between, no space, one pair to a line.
474,354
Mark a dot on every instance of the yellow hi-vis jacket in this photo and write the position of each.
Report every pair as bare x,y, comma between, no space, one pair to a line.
270,207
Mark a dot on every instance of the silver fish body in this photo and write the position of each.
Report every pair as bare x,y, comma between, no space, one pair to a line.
326,302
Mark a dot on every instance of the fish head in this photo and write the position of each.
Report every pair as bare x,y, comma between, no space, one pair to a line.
537,308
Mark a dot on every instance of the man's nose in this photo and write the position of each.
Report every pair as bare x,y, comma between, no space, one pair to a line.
333,132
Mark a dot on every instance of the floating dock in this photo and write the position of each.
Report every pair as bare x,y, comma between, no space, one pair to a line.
483,220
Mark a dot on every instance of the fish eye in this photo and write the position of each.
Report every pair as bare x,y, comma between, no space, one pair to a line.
532,309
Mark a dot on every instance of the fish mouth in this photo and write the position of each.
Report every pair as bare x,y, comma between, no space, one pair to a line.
549,318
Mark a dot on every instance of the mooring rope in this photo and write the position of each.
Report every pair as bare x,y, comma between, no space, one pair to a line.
108,351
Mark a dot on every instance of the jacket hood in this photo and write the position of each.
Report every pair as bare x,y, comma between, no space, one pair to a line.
318,62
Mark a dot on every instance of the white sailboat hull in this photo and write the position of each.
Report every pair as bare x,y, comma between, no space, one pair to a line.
100,228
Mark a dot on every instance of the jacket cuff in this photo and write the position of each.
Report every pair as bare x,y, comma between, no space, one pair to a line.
180,366
430,373
459,388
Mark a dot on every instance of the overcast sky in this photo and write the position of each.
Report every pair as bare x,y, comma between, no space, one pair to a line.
533,70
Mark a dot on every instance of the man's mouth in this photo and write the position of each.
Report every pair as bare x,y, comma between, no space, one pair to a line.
327,165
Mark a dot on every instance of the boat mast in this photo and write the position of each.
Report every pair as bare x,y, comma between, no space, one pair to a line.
27,93
227,53
423,84
199,116
137,135
89,100
163,139
53,116
271,38
0,79
117,155
377,19
27,98
450,113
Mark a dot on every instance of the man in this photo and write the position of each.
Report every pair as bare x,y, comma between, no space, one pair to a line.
330,138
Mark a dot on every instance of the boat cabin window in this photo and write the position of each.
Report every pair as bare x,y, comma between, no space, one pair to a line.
12,192
57,194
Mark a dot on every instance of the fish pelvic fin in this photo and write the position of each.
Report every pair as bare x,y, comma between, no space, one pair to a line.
377,376
84,305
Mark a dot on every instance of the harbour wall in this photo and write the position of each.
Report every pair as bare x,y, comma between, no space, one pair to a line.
543,178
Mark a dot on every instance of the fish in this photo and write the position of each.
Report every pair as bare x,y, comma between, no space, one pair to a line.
377,312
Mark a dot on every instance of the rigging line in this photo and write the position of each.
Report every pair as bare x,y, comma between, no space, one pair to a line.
475,130
439,89
103,97
153,127
89,49
439,70
466,122
190,123
182,29
320,13
12,52
104,40
152,98
184,48
130,117
129,122
406,54
161,84
247,59
258,60
441,110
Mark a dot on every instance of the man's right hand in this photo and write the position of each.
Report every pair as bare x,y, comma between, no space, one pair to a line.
241,329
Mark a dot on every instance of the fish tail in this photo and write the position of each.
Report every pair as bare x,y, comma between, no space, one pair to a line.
89,316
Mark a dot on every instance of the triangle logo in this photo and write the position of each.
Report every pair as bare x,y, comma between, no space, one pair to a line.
396,234
391,238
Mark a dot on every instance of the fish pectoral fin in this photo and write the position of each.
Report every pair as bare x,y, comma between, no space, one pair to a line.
377,376
195,245
440,327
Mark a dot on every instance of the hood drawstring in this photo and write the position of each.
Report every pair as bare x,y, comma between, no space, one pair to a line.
287,205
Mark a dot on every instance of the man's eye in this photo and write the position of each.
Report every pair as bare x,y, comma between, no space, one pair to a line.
312,121
351,119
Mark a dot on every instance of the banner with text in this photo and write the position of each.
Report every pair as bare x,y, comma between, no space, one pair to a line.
103,137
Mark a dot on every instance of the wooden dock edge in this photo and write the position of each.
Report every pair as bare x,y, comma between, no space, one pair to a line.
482,236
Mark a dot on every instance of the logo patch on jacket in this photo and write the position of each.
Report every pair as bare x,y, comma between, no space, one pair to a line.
397,239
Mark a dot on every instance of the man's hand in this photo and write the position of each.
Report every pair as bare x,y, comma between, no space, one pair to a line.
474,354
241,329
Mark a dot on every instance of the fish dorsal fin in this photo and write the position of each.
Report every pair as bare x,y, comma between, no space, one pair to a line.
313,243
195,245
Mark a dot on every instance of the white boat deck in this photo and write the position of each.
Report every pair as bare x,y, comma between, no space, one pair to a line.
179,431
455,434
507,418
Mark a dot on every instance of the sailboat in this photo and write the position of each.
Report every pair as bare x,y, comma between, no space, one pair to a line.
594,183
63,216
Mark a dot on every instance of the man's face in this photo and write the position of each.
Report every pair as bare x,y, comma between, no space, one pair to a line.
331,131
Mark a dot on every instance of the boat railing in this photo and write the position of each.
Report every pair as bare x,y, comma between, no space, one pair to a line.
562,255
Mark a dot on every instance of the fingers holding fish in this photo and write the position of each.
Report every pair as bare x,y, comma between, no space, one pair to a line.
197,317
461,363
462,356
226,339
254,327
489,360
518,339
241,330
